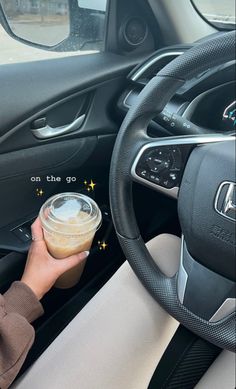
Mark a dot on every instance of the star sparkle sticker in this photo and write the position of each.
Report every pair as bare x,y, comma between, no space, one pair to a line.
39,192
102,246
90,186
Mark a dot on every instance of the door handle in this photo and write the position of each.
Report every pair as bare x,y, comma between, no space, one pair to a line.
51,132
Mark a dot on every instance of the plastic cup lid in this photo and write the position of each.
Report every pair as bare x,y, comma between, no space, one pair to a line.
70,209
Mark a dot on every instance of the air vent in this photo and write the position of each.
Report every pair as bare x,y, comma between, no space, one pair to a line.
144,73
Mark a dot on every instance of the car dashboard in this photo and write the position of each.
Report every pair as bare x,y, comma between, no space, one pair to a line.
207,100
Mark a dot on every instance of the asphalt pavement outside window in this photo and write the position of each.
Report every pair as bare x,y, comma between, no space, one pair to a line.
13,51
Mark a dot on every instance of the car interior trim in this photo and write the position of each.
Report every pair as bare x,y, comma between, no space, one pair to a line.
225,310
153,61
182,275
126,98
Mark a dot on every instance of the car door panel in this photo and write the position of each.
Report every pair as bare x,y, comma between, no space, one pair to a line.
17,168
30,87
94,103
57,91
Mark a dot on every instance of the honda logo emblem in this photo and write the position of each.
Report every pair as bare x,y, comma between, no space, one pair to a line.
225,203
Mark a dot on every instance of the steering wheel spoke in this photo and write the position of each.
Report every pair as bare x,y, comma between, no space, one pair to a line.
160,164
210,303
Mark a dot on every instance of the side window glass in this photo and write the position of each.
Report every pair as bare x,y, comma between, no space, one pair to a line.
217,12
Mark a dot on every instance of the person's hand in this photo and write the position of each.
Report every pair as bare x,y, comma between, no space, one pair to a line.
41,269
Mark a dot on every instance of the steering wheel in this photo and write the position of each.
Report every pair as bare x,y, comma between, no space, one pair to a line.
199,171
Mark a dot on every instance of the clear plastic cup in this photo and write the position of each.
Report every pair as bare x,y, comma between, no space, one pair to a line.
69,221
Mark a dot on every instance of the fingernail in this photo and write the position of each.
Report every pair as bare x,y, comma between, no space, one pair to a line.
86,253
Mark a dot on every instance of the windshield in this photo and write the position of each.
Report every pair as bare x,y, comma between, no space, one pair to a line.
217,11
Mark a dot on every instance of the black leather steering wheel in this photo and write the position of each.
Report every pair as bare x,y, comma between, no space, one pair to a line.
201,295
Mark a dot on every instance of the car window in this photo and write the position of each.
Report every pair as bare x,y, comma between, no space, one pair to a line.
217,11
50,23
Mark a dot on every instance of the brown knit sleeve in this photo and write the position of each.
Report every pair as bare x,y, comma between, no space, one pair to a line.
18,307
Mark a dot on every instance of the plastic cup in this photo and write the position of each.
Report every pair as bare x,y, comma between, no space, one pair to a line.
69,221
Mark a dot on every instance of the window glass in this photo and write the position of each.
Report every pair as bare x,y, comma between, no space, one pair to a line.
217,11
98,5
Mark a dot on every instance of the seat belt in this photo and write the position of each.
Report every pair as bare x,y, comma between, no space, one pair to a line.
184,362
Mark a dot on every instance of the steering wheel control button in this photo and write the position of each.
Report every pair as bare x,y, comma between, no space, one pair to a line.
173,176
161,166
158,160
168,184
143,173
177,158
156,179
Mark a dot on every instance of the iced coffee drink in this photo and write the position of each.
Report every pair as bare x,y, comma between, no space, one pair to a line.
70,221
